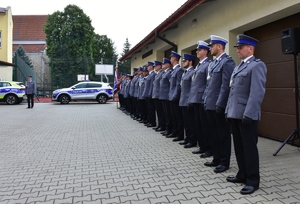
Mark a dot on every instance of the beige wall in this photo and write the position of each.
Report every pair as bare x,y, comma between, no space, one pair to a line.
6,27
219,18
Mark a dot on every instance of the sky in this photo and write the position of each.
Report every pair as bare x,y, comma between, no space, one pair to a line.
118,19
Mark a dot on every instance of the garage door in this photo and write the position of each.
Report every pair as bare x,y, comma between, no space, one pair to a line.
278,107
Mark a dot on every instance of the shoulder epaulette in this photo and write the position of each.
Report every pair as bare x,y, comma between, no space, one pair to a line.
257,60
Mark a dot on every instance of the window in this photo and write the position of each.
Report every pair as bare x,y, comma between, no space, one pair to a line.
0,39
4,84
93,85
147,54
80,86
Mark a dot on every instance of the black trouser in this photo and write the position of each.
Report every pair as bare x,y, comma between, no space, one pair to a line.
198,127
178,126
219,131
134,105
151,111
121,100
159,112
205,136
143,109
128,104
167,114
30,100
189,124
245,139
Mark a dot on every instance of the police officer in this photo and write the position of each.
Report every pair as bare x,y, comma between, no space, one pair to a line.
148,94
197,90
243,111
142,98
155,95
132,91
187,111
126,94
164,94
174,95
215,100
136,93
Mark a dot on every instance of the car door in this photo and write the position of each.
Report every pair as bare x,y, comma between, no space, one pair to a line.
79,91
92,90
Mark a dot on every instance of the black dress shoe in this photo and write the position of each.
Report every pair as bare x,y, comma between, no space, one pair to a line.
151,125
164,132
171,136
189,145
248,190
183,143
199,151
234,179
210,164
220,168
155,128
160,129
205,155
177,139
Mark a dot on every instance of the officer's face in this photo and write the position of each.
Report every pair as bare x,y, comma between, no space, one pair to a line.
185,63
214,49
157,67
201,53
244,51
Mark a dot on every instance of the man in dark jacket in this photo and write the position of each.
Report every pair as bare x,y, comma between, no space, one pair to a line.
30,91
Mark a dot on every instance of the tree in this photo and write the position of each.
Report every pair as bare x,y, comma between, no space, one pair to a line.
125,66
22,54
69,38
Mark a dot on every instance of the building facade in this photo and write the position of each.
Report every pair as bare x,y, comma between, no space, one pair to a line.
197,20
6,33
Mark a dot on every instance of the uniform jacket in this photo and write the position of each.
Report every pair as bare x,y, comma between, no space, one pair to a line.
156,84
137,86
186,83
247,90
199,82
30,87
149,85
165,85
127,89
142,87
174,93
217,89
132,85
122,86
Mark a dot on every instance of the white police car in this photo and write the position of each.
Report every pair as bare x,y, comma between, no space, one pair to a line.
11,92
98,91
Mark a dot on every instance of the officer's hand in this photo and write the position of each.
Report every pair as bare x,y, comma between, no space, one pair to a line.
246,120
220,110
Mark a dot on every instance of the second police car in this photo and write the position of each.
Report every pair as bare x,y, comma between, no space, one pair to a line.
98,91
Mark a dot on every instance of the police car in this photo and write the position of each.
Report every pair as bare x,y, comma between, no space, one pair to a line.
11,92
98,91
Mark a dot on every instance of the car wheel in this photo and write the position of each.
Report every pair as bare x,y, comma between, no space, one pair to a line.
102,99
11,99
64,99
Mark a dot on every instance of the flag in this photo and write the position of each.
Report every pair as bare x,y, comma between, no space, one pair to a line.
116,81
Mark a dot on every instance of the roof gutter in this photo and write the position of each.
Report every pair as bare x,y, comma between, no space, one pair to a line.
178,14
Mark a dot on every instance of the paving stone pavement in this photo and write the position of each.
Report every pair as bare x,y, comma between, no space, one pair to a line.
94,153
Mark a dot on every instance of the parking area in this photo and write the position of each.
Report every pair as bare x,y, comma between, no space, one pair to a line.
94,153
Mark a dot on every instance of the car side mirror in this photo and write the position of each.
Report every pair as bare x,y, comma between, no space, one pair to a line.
73,87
